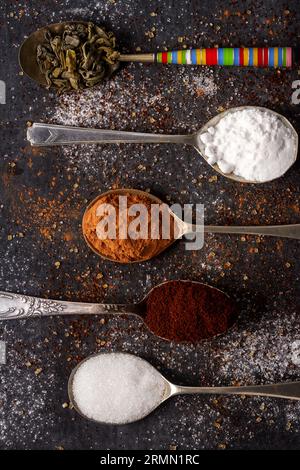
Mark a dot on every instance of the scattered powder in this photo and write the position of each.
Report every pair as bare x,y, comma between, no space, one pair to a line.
251,143
266,352
32,415
117,388
295,356
140,107
26,411
115,103
200,84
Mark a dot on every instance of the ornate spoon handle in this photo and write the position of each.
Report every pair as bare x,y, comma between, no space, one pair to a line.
22,306
224,56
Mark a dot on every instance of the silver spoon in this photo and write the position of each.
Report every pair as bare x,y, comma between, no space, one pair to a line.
183,228
49,134
18,306
288,390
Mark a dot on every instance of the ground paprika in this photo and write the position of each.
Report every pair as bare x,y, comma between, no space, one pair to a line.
187,311
128,249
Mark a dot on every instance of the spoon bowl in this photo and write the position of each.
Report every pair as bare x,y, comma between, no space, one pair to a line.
169,390
200,147
142,305
142,194
28,50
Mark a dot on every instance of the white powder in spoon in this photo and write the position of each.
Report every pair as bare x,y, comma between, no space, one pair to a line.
117,388
253,143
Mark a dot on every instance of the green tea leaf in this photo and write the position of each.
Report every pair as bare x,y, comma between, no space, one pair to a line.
82,56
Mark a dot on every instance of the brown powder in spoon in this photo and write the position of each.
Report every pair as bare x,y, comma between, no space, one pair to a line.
126,250
187,311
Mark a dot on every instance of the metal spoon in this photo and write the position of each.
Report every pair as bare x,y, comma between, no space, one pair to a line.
288,390
49,134
183,228
18,306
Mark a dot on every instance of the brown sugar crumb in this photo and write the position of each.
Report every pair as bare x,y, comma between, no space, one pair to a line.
217,424
227,265
68,236
253,250
173,447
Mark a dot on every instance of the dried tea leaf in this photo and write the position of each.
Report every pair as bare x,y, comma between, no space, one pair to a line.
56,72
82,56
71,60
72,41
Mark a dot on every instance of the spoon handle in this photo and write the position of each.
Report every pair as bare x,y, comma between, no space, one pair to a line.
289,390
19,306
286,231
49,134
224,56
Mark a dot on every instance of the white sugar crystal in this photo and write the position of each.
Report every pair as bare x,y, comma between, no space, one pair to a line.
117,388
252,143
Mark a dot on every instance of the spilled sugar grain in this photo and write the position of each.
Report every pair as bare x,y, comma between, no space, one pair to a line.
25,414
269,350
133,101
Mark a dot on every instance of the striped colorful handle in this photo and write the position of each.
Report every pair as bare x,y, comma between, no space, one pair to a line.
237,56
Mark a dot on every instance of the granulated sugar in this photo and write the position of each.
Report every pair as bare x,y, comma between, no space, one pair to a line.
114,102
138,107
117,388
251,143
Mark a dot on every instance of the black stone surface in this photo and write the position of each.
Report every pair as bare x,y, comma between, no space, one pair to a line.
43,194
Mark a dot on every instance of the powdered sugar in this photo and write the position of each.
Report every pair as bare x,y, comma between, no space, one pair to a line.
254,144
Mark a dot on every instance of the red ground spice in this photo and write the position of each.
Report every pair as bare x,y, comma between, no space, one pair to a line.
186,311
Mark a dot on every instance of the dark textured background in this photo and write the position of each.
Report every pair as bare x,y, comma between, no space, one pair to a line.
43,195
